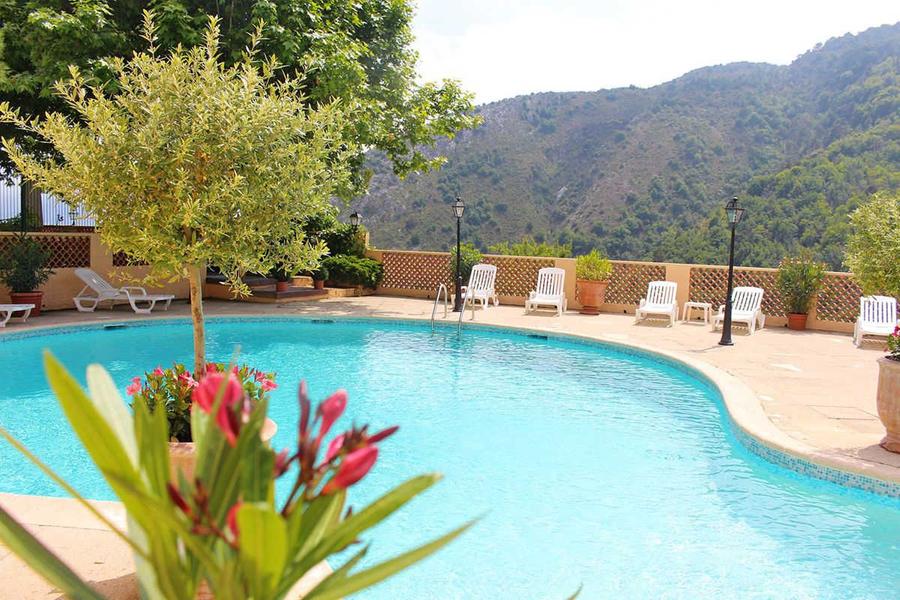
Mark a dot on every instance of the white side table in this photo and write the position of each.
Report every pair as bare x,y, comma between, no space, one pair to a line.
706,307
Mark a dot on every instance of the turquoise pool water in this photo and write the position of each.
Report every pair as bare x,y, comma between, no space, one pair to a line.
591,466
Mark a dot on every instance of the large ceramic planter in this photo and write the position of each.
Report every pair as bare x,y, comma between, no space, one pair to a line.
183,457
797,321
319,284
889,402
35,298
591,295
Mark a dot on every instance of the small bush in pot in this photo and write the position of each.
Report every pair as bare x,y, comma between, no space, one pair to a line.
319,277
593,271
172,390
23,269
799,280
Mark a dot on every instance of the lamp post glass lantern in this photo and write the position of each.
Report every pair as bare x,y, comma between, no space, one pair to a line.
735,213
458,209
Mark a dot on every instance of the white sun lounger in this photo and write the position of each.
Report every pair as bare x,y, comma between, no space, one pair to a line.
660,300
746,308
481,286
141,302
550,291
877,316
7,310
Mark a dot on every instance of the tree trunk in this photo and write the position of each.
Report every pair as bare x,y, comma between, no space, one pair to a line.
32,207
197,275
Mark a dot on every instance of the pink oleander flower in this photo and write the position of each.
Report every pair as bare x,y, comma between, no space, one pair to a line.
134,387
334,447
231,520
158,372
331,409
188,380
353,468
268,385
205,395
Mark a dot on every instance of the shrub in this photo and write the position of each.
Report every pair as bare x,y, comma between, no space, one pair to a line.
320,274
873,248
172,388
893,344
530,247
23,265
227,527
470,257
593,266
799,280
353,270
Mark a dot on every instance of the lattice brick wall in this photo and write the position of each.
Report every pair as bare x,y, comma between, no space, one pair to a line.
838,300
121,259
628,283
516,275
66,251
415,270
709,284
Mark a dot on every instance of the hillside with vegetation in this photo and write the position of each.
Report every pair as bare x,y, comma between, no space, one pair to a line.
644,173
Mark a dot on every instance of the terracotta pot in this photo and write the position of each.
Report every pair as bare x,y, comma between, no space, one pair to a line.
889,402
319,284
282,286
35,298
797,321
182,456
591,295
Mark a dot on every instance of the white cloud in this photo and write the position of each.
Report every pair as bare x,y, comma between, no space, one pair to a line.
502,48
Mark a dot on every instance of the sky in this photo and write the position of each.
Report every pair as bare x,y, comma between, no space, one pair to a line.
504,48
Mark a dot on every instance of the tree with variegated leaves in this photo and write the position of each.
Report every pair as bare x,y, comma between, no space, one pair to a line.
193,162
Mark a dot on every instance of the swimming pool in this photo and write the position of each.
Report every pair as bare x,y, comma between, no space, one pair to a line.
590,464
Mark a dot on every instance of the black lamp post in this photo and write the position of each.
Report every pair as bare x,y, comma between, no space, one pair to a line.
734,212
354,219
458,209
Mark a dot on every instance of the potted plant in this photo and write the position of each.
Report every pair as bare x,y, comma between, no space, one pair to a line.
226,533
319,276
592,271
799,280
23,269
873,254
175,391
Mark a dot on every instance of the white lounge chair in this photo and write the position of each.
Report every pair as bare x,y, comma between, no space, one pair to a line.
141,302
660,300
746,308
481,286
7,310
877,316
550,291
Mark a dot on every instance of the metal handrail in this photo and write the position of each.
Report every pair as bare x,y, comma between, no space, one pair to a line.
462,310
437,297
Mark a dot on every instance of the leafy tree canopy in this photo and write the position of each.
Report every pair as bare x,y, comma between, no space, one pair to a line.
358,52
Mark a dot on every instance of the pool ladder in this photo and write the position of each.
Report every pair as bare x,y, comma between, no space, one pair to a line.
437,298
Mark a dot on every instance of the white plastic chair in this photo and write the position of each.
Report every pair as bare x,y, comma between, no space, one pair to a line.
7,310
104,292
481,286
660,300
746,308
877,316
550,291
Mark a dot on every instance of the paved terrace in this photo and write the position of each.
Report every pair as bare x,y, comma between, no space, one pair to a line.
816,388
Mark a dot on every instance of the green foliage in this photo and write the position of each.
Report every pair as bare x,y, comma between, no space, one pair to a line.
23,264
528,246
471,256
593,266
893,344
225,527
171,186
353,270
359,53
873,250
799,280
320,274
15,223
171,390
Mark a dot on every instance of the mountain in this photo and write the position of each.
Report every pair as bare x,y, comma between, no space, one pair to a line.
644,173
